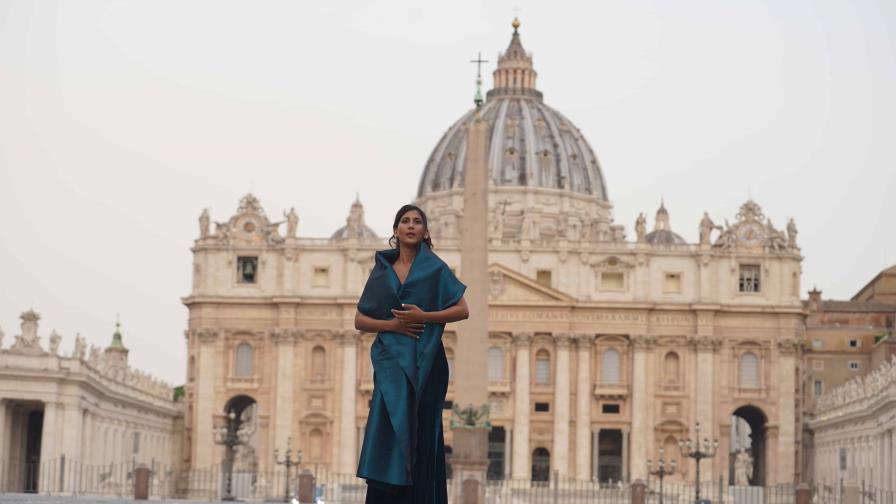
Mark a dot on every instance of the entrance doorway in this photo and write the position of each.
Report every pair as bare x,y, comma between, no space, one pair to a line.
35,427
609,455
245,457
748,427
496,448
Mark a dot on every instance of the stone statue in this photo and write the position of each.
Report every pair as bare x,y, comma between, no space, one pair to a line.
743,468
791,233
640,227
55,339
573,228
203,223
80,347
706,227
292,222
94,359
774,239
727,239
530,226
498,223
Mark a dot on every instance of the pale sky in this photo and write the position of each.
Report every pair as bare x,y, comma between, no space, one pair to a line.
121,120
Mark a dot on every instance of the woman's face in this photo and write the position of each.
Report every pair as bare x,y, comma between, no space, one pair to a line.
410,230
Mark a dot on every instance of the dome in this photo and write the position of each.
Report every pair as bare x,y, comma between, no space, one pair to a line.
355,227
531,144
662,233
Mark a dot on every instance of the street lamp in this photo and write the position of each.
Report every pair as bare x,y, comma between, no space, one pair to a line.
288,462
662,470
231,436
692,449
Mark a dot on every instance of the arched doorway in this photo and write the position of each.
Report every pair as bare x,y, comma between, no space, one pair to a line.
541,465
245,456
748,433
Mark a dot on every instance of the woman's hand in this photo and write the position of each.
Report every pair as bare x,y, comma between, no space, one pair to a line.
411,329
411,314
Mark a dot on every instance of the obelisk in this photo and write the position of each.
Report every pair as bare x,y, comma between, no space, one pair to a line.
469,457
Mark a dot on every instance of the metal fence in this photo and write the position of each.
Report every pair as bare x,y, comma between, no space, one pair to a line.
66,477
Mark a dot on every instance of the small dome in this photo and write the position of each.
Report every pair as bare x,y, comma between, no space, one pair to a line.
664,237
531,144
662,233
354,225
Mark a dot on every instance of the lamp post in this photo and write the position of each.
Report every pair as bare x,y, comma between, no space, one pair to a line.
288,462
693,449
230,436
662,470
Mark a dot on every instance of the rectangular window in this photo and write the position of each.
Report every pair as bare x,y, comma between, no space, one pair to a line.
321,277
672,282
246,269
748,281
818,388
542,407
542,371
818,365
612,280
854,343
610,409
817,344
854,365
543,277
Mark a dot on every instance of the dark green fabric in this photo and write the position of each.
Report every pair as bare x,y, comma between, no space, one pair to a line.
403,456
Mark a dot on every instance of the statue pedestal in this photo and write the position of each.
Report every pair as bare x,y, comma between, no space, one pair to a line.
745,494
469,463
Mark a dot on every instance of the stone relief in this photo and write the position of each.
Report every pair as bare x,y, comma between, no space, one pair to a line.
28,342
752,229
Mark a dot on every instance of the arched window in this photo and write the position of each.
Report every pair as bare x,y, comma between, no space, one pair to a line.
449,354
749,370
541,464
495,364
243,364
316,445
542,367
318,363
609,369
670,368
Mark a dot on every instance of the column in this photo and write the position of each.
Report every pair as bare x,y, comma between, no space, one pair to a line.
583,405
521,469
72,427
87,442
285,347
4,436
203,421
49,437
638,465
786,411
626,473
560,452
508,451
704,348
348,450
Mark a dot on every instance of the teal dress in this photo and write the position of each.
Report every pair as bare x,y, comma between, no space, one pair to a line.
403,455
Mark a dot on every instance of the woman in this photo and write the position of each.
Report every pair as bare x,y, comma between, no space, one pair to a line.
409,297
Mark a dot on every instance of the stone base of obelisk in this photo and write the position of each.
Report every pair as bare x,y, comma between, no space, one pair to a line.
469,462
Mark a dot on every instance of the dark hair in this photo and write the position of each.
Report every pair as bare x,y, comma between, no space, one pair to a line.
393,241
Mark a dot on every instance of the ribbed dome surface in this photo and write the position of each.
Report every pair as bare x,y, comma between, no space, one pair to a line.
531,144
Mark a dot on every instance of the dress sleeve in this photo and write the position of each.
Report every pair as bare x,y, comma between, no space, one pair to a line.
450,288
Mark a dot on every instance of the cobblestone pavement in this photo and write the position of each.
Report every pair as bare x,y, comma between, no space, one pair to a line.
19,498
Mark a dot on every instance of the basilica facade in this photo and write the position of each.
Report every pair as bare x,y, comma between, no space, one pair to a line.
604,346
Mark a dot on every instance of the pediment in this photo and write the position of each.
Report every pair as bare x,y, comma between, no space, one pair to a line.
509,286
